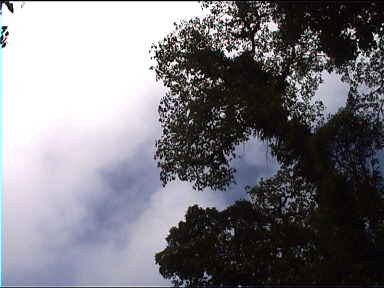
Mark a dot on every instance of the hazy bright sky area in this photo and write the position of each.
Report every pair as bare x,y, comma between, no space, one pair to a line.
83,204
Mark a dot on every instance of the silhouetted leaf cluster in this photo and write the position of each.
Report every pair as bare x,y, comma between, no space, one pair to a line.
268,240
4,29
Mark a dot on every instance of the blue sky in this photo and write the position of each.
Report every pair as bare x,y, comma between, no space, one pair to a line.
83,204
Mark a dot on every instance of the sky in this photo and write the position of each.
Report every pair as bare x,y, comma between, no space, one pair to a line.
83,204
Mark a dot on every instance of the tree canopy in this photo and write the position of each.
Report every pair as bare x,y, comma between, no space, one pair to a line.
251,69
268,240
229,72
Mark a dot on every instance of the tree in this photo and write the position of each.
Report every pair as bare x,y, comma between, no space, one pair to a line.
233,74
353,26
276,238
268,240
229,72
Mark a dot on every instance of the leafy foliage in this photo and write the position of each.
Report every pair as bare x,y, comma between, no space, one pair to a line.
229,72
216,101
251,69
268,240
276,238
352,31
4,29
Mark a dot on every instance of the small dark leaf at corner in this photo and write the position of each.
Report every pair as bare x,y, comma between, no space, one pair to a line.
9,6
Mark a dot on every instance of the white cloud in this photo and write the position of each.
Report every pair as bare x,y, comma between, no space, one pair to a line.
78,97
333,92
133,264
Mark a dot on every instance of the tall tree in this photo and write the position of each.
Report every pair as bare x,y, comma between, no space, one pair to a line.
251,69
